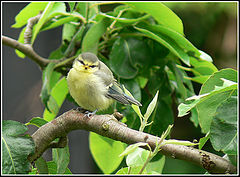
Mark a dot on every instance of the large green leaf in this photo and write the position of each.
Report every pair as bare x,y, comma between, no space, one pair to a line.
161,13
58,94
208,103
41,165
129,56
61,157
137,158
155,166
52,9
215,79
106,152
93,35
167,42
15,148
57,22
210,90
31,10
207,108
179,39
223,131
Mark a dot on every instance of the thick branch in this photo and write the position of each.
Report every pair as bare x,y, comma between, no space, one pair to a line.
106,126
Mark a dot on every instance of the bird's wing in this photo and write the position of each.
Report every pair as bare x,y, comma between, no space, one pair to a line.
115,92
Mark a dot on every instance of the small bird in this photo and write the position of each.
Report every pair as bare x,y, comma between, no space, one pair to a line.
92,85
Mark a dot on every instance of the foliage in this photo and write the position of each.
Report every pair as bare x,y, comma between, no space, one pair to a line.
15,148
144,45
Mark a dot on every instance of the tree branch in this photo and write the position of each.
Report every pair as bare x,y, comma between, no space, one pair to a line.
106,126
27,50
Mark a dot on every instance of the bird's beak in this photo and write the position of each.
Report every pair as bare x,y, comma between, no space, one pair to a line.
86,67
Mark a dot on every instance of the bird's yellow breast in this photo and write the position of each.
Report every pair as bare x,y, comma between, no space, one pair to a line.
88,90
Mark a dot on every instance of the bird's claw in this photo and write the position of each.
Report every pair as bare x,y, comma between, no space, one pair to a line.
89,113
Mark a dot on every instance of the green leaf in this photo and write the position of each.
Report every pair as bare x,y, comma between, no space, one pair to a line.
205,56
194,117
71,5
179,78
106,152
132,148
215,80
61,157
167,42
155,166
21,40
210,98
69,30
57,22
52,168
162,116
41,165
129,56
183,109
202,63
172,36
52,9
58,93
15,148
179,142
207,108
37,121
161,13
151,107
198,79
86,9
203,141
46,79
137,158
41,21
223,131
31,10
93,35
135,107
142,81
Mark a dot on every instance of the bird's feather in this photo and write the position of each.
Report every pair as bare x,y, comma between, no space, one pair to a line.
115,92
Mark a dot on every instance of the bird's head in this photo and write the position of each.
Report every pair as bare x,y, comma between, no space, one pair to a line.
86,62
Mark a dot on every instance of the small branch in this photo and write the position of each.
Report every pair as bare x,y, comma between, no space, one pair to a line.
30,53
29,27
27,50
105,126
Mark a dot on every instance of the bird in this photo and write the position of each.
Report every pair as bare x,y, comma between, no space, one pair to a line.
92,85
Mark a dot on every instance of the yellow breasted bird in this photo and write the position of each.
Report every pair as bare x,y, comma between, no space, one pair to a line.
92,85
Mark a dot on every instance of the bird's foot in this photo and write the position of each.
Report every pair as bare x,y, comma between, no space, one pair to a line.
89,113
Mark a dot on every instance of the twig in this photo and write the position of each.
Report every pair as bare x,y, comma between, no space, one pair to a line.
29,27
103,125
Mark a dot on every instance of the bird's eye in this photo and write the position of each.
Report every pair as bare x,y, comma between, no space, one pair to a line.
93,66
81,62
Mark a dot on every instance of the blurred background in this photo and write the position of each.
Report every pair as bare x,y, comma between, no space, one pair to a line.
210,26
